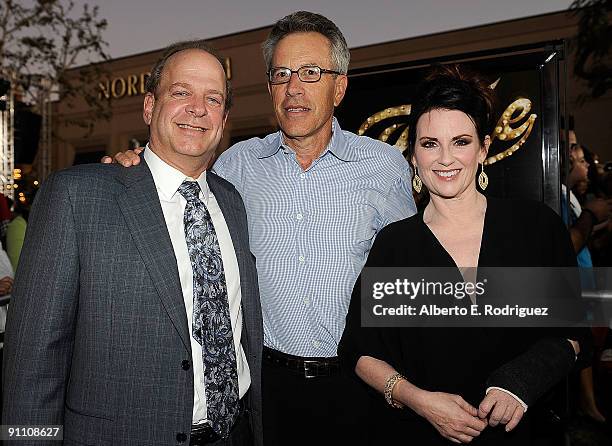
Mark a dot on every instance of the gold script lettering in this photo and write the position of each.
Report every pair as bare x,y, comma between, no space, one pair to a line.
119,87
227,62
391,112
114,83
104,90
515,123
504,131
143,82
131,85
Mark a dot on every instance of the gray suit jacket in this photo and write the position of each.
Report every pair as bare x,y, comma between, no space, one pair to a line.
97,336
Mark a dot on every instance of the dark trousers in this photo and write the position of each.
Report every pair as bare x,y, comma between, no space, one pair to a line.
326,410
241,434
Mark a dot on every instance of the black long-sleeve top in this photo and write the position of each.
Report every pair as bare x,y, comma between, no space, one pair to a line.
463,361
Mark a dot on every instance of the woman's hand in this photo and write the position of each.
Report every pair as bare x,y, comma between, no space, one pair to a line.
452,416
501,408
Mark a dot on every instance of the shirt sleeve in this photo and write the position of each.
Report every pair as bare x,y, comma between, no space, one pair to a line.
229,166
534,372
399,202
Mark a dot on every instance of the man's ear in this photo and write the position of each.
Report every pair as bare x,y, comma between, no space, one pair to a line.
225,115
147,109
340,88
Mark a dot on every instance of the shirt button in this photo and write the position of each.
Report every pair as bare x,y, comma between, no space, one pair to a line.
306,300
185,365
316,343
181,437
302,176
301,259
299,216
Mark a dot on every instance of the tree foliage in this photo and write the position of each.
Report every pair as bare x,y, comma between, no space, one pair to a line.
41,41
592,44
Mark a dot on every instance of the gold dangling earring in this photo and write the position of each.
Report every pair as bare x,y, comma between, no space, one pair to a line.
483,179
417,184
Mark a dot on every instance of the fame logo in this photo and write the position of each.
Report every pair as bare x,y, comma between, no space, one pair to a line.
514,124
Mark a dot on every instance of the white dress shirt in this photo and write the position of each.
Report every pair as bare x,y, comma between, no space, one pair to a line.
167,181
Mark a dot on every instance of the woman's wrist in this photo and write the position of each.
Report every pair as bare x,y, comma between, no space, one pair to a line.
409,395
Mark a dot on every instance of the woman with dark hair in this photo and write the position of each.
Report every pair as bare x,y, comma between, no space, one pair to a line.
458,384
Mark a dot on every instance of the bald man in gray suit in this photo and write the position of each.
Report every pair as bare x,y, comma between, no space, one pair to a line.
135,317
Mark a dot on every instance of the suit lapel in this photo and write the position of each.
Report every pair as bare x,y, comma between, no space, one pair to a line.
144,218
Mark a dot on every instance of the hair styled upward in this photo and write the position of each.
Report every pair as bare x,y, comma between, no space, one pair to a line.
453,87
157,70
304,22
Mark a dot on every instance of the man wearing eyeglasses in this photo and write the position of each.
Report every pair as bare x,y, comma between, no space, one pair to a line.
316,196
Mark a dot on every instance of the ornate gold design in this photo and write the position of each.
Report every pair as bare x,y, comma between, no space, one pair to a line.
390,130
504,131
391,112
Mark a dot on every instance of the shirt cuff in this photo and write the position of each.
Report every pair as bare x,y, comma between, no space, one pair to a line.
575,354
521,402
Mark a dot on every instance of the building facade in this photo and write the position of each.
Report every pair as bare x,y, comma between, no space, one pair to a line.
252,114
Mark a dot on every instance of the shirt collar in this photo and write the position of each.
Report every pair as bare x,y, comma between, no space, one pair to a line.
167,179
338,145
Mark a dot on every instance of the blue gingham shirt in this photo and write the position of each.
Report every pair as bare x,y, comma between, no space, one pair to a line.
311,230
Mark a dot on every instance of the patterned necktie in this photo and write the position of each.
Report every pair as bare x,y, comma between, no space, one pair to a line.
212,327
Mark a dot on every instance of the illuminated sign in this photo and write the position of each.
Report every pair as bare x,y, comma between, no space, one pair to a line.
119,87
504,131
134,84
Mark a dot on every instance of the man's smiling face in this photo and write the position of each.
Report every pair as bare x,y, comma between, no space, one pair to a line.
305,110
187,113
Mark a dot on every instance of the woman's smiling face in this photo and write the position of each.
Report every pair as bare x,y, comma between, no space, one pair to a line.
448,152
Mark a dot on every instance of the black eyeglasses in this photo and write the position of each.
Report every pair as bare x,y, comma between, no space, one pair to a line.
307,73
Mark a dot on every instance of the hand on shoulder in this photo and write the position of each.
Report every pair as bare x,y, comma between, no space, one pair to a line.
127,158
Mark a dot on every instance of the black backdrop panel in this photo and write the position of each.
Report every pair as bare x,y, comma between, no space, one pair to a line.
521,72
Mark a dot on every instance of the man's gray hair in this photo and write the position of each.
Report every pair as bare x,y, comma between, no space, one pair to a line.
156,72
303,22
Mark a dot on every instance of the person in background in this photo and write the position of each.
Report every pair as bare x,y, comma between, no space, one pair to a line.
15,232
583,219
590,226
600,241
5,216
6,287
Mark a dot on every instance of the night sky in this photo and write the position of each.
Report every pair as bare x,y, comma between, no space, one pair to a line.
136,26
